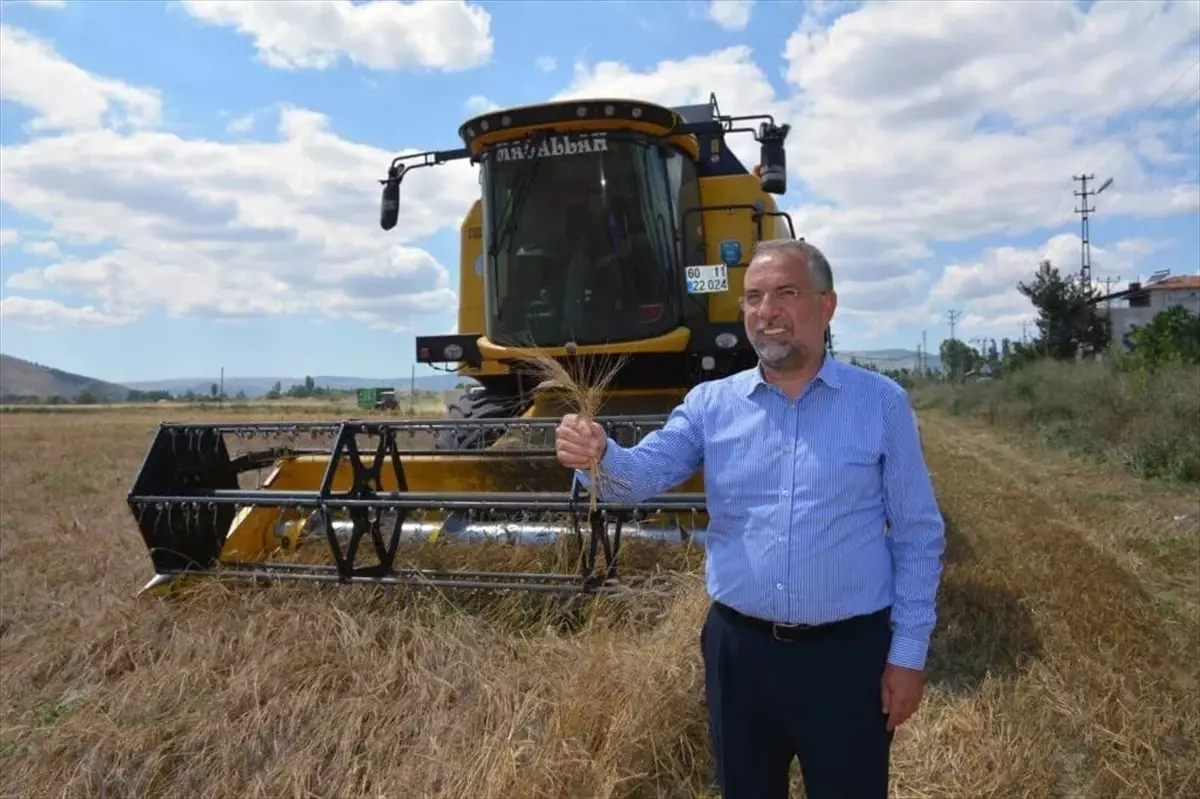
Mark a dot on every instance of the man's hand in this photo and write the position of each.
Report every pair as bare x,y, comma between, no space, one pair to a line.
901,689
579,442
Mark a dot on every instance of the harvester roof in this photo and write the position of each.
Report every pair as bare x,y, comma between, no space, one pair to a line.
580,115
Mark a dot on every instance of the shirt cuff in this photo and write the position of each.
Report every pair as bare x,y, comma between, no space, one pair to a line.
910,653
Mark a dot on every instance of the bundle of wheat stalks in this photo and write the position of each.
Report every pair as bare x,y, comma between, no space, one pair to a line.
583,389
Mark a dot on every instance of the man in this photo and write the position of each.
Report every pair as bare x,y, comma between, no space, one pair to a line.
823,549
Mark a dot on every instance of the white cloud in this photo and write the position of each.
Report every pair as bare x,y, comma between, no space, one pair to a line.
985,290
918,123
9,236
229,230
732,15
740,84
47,3
478,104
381,35
65,96
46,248
913,124
547,63
48,314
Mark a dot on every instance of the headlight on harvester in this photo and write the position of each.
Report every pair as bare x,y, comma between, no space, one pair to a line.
452,352
727,341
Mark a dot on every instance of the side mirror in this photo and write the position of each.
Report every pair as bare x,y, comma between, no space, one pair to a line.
773,158
389,210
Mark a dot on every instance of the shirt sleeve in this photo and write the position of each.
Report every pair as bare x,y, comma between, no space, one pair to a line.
917,535
659,462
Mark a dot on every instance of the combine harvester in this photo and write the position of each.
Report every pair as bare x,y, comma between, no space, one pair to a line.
605,228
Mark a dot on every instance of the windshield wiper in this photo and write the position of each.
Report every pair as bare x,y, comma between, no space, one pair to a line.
511,213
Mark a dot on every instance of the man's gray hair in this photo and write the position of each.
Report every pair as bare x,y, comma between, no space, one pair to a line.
819,269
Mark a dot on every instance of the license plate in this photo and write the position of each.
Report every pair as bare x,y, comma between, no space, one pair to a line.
707,279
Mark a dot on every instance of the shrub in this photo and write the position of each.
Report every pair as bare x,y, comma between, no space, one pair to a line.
1141,414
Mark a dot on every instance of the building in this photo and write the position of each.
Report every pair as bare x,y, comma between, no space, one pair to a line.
1140,303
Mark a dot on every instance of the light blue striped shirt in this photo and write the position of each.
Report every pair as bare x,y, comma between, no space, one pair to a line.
820,508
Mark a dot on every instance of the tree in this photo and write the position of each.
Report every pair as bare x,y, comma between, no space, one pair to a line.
1067,321
957,357
1173,335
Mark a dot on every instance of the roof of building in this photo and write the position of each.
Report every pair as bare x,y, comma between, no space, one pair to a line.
1174,283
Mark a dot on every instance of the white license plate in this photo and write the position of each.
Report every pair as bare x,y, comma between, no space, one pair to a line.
707,279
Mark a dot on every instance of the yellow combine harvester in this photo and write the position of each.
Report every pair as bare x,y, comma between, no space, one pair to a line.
605,228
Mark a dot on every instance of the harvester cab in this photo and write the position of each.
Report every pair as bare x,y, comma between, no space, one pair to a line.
605,229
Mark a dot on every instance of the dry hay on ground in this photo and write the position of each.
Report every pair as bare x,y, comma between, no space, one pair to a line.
1061,665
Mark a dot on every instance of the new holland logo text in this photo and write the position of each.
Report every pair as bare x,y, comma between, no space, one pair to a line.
553,145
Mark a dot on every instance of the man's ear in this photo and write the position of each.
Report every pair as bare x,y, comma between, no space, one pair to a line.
829,306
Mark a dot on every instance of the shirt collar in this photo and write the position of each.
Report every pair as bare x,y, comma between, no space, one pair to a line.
827,374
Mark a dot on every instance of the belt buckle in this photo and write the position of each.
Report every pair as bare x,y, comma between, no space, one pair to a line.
776,626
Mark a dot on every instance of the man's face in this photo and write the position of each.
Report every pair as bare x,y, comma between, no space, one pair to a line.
785,317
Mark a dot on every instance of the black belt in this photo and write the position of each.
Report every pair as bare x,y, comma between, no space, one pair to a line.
797,632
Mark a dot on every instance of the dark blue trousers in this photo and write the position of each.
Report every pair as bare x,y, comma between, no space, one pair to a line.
815,696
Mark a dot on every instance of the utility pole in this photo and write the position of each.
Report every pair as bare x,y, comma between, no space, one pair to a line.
953,315
1108,281
924,354
1025,331
1085,244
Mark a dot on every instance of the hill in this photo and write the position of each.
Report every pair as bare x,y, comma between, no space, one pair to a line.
20,378
891,359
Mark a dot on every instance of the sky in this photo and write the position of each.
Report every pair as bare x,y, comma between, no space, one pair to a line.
191,186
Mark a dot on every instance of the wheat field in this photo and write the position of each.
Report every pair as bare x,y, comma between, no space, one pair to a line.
1063,665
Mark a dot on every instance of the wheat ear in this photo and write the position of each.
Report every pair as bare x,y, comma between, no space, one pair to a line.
585,396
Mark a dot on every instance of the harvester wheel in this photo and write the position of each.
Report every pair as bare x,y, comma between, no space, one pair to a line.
476,403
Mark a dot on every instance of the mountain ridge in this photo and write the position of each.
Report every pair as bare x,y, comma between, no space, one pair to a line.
22,378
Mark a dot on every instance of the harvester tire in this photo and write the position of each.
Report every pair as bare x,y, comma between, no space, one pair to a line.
476,403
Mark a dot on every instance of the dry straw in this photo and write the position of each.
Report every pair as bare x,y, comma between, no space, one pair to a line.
583,384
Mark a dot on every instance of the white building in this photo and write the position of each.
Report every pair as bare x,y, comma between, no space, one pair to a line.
1140,303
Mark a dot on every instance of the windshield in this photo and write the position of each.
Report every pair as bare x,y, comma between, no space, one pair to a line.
584,237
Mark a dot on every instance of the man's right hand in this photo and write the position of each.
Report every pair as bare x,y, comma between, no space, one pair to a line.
579,442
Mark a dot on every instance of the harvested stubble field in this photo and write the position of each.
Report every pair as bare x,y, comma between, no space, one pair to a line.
1064,663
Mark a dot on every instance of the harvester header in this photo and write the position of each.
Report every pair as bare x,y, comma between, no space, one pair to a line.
605,229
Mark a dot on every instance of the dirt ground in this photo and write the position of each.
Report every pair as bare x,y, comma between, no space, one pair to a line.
1064,661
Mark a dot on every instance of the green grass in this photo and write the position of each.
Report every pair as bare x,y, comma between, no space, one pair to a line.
1146,422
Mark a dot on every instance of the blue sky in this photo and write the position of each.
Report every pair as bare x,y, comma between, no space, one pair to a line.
191,187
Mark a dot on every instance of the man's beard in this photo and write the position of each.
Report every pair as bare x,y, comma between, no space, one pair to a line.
779,354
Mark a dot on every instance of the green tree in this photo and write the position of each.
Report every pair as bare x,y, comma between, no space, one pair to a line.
1066,322
1172,336
957,357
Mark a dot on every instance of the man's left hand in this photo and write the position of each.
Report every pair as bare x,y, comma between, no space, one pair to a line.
901,690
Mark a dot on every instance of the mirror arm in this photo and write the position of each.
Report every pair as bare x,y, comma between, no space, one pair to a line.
390,203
